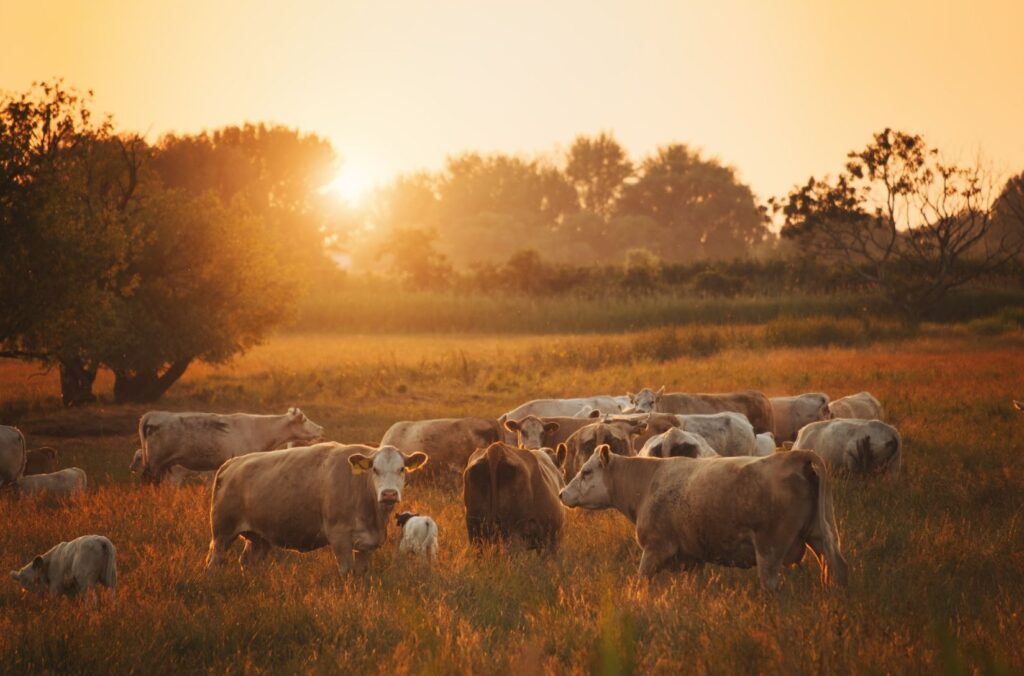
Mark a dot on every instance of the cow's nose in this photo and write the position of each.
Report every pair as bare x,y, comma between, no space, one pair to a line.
389,495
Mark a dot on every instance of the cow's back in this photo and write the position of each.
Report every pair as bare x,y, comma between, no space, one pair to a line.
448,441
750,403
12,455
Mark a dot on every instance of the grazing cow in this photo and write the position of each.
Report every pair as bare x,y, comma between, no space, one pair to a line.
533,432
448,441
737,512
307,498
550,408
678,443
205,441
854,446
419,535
765,444
862,406
12,455
571,455
729,433
63,483
72,568
512,494
750,403
792,413
176,474
42,460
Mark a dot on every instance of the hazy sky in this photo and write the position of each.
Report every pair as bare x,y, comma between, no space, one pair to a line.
778,89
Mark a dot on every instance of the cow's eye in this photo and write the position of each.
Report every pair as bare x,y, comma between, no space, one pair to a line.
586,473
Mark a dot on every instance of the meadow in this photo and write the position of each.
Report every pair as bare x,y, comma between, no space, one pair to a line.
937,566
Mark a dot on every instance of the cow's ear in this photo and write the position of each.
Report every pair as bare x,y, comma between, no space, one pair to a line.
551,427
512,425
561,453
594,414
604,454
788,445
360,463
659,393
414,461
37,563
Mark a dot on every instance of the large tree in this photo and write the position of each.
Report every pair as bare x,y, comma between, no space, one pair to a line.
903,220
701,207
597,167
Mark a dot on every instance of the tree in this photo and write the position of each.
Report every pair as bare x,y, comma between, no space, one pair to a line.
903,220
702,209
414,258
597,168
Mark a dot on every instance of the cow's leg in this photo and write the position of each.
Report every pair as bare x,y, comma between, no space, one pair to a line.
770,549
255,550
362,562
654,558
219,546
341,545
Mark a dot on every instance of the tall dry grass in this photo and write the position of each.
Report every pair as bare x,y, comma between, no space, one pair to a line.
937,563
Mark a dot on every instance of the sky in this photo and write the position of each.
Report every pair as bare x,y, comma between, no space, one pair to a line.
780,90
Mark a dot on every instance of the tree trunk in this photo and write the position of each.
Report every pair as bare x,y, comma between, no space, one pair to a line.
145,387
76,381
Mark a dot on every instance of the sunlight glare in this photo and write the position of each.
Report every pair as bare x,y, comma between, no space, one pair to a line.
349,186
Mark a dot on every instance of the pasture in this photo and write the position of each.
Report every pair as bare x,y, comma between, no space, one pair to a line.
936,556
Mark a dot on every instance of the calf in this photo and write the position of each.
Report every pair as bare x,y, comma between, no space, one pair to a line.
307,498
12,456
512,494
854,446
792,413
689,512
60,484
751,403
42,460
419,535
72,568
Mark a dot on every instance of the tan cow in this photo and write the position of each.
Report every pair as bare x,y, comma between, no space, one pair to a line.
42,460
448,441
862,405
512,494
12,455
853,446
657,423
738,512
71,568
60,484
750,403
533,432
792,413
619,435
307,498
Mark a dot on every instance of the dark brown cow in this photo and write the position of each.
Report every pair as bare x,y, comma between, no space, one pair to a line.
751,403
512,494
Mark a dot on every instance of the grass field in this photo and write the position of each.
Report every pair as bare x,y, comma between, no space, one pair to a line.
937,562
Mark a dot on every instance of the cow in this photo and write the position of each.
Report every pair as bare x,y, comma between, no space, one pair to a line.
550,408
792,413
42,460
851,446
72,568
12,456
205,441
728,432
737,512
750,403
448,441
512,494
765,444
571,454
176,474
677,443
533,432
306,498
60,484
657,423
419,535
862,406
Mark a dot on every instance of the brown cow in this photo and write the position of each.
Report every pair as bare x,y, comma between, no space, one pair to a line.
738,511
619,435
512,493
751,403
448,441
306,498
42,460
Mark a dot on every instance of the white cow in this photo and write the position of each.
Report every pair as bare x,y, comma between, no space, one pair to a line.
419,535
765,444
728,432
792,413
862,406
72,568
62,483
12,455
205,441
677,443
551,408
854,446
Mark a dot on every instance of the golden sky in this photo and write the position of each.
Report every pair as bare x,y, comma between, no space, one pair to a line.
780,89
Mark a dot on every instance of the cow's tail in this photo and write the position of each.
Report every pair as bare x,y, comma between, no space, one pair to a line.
494,457
895,456
110,566
824,532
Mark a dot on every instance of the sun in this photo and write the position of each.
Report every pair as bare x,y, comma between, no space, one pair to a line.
350,186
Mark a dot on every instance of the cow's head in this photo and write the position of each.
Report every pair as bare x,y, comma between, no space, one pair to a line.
588,489
530,431
617,434
387,467
644,401
400,519
34,577
301,428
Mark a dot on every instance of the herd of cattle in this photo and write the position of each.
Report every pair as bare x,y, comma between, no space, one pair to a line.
734,479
